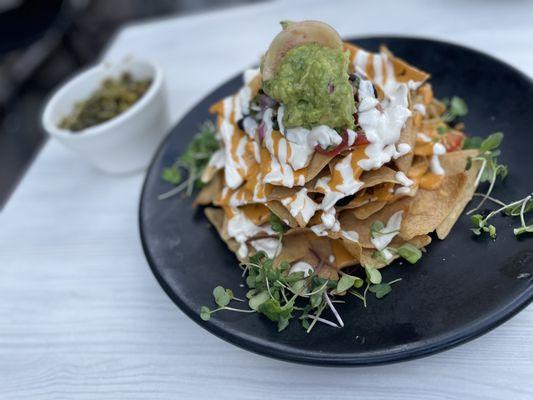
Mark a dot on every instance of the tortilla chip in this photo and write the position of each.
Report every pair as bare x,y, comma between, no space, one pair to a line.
368,209
367,255
349,222
211,191
461,201
342,258
317,164
294,247
408,136
430,207
455,162
281,211
257,213
377,176
217,217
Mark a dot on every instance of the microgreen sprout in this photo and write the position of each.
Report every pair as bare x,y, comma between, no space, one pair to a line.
456,107
490,170
193,161
516,208
281,295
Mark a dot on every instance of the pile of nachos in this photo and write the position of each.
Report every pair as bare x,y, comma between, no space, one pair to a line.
330,163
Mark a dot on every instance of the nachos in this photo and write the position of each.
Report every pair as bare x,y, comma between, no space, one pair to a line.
333,139
328,164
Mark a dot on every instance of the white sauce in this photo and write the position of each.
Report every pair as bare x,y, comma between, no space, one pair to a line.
402,179
321,135
423,137
250,126
331,258
352,135
218,159
282,166
330,221
434,164
403,190
231,173
348,186
242,102
301,204
352,236
420,108
272,247
302,266
241,229
281,111
389,231
412,85
382,129
360,61
249,75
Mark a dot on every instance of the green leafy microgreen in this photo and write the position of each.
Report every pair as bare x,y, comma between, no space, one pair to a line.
456,107
222,296
409,252
205,313
373,275
193,161
472,142
276,223
490,170
346,282
382,289
516,208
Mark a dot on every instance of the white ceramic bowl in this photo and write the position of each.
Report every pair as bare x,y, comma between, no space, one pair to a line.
125,143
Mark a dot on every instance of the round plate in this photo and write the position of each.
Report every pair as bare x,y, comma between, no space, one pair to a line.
462,287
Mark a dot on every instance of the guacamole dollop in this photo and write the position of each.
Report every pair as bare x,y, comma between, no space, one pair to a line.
312,83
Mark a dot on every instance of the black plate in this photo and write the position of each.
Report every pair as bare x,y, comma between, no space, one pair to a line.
463,287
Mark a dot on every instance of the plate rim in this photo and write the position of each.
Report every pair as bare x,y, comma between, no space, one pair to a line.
395,355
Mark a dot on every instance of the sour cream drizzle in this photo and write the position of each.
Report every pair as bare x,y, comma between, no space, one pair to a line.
241,229
389,231
434,163
300,205
382,128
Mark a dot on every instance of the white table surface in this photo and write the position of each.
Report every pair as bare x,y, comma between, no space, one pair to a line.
81,316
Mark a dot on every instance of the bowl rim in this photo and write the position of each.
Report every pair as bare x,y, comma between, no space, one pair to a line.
89,73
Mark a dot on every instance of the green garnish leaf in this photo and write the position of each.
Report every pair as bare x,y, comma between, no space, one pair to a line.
409,252
222,296
345,282
373,275
258,299
376,228
171,175
472,142
276,223
456,107
205,313
492,142
193,161
515,210
380,290
523,229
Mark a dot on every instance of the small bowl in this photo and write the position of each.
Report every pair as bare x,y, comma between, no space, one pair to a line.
125,143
